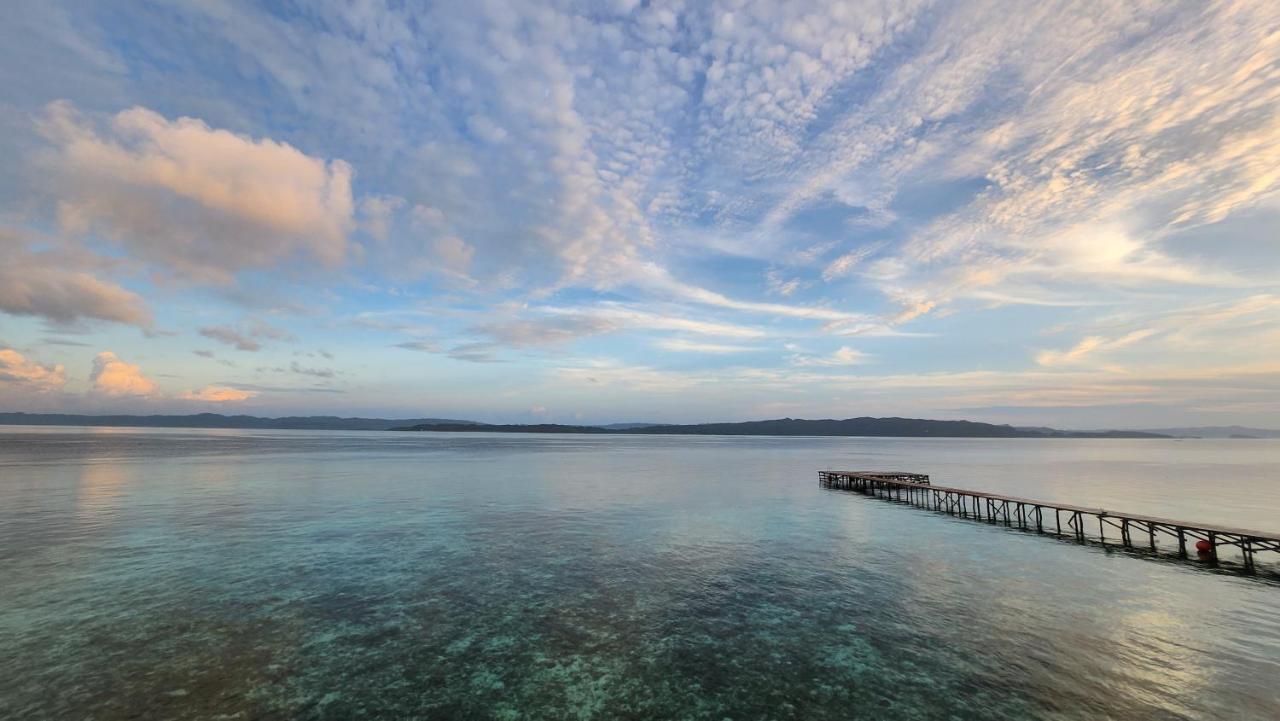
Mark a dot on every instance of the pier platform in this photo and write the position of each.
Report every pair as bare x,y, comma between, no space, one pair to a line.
1129,529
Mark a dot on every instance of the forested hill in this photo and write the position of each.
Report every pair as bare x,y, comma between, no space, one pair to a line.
905,427
217,420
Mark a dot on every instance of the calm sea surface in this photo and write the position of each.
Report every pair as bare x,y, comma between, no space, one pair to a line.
318,575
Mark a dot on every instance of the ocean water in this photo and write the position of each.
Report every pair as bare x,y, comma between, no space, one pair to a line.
177,574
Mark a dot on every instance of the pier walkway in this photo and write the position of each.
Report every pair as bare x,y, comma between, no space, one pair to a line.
1077,521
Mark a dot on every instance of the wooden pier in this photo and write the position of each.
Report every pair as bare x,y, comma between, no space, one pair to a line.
1133,531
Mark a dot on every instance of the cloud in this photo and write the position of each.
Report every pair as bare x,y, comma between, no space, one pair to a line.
1090,346
699,175
203,202
656,278
844,265
427,215
1240,328
546,331
475,352
472,352
485,129
230,336
378,212
18,374
774,65
111,376
298,369
782,286
454,253
680,345
627,316
259,328
295,367
843,356
1106,139
546,327
420,345
218,394
63,286
245,340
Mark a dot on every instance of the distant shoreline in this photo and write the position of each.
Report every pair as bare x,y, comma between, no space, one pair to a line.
850,427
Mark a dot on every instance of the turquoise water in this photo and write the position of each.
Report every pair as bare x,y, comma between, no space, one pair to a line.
319,575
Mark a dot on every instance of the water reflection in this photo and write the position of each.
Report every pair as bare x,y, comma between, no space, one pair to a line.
101,487
328,575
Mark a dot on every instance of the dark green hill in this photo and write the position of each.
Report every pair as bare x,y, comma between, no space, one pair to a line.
217,420
900,427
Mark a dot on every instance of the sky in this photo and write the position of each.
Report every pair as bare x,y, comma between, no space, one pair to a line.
1037,213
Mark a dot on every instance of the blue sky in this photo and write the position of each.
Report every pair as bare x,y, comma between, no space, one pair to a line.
1035,213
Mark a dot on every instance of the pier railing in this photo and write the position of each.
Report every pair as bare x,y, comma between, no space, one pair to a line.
1131,530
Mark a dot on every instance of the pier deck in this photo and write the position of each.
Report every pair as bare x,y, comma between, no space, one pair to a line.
1029,513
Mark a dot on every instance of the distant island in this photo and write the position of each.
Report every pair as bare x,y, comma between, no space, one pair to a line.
217,420
866,426
863,426
1244,432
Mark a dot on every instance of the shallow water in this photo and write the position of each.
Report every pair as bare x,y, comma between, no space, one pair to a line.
275,574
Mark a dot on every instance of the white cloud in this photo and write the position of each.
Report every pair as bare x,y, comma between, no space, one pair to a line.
20,375
428,215
454,253
218,394
378,213
1243,328
546,331
627,316
658,280
63,286
667,157
1091,346
203,202
680,345
111,376
485,129
843,356
774,65
1110,136
845,264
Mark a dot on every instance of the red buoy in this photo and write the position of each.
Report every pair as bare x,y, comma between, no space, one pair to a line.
1204,546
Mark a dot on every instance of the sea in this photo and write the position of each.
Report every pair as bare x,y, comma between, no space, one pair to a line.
228,574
